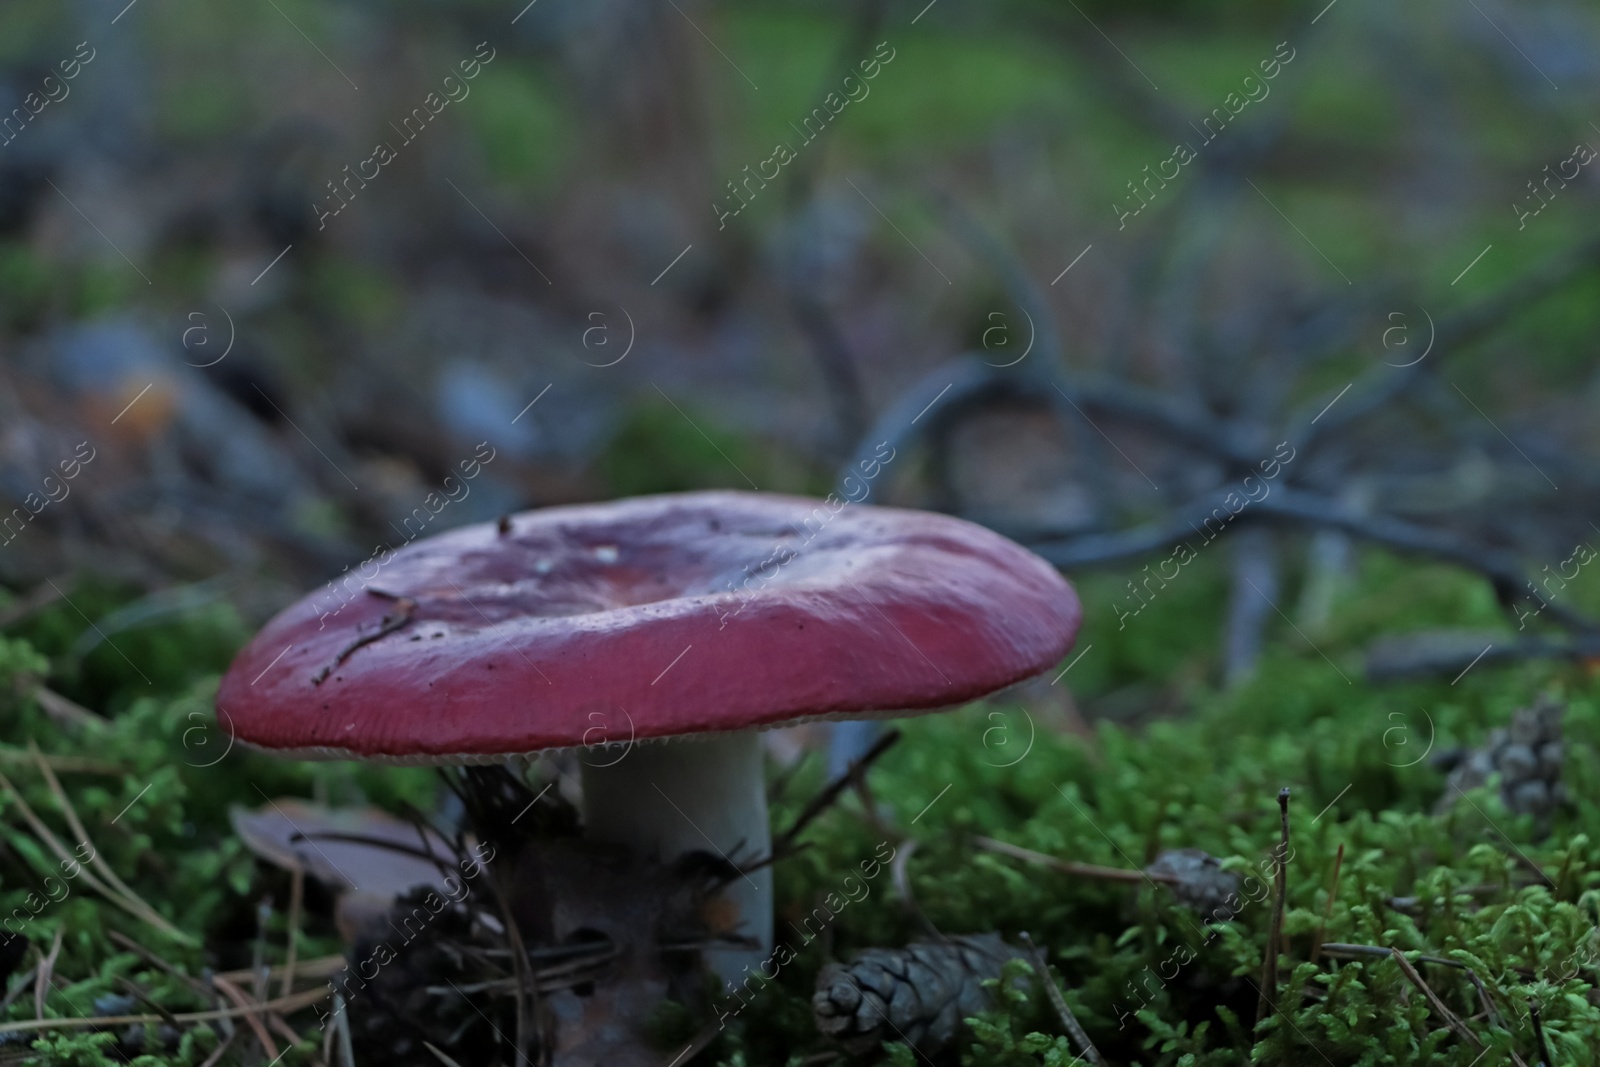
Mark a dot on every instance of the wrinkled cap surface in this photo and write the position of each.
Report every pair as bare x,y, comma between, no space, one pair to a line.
647,618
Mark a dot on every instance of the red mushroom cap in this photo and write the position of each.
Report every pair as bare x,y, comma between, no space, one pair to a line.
647,618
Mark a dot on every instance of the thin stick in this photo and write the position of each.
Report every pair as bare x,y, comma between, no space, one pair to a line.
1338,950
64,764
160,964
319,967
1268,995
258,956
347,1055
221,1050
819,803
110,876
1538,1034
902,886
1483,998
440,1056
16,991
252,1017
285,1005
40,596
217,1001
527,984
66,712
1085,1047
283,1029
1327,913
53,843
138,993
1081,870
697,1045
297,891
41,979
1450,1018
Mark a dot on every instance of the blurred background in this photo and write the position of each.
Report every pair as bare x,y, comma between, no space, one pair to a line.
1272,325
269,272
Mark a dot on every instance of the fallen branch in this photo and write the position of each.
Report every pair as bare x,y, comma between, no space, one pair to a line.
1428,653
1381,385
1298,507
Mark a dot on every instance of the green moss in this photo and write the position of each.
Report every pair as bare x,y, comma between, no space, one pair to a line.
1147,979
666,449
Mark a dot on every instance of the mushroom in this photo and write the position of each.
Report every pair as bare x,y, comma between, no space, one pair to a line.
673,628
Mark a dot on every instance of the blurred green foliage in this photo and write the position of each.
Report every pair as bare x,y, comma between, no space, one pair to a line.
659,450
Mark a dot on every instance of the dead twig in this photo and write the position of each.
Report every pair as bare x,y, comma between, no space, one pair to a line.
347,1054
1086,1047
1489,1010
1338,950
320,967
284,1005
1441,1009
1078,870
156,961
136,991
222,1049
392,621
41,978
704,1037
133,901
784,845
66,713
902,887
1538,1034
16,991
297,892
1327,912
527,983
440,1056
35,599
1429,653
63,764
253,1010
1268,994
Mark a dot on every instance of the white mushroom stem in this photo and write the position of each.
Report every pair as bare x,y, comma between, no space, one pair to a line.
696,795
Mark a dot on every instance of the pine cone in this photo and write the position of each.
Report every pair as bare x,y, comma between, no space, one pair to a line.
1202,883
1527,756
918,994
